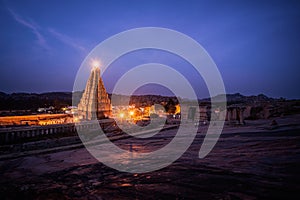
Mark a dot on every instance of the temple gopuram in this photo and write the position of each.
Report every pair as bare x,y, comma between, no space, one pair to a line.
94,103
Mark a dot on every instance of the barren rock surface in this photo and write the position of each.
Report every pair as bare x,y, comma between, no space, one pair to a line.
250,162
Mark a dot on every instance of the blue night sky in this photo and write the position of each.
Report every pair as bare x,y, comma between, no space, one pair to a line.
256,45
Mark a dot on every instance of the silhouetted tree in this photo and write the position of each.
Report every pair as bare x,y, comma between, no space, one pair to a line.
170,107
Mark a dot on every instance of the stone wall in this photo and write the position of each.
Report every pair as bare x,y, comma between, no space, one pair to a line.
13,134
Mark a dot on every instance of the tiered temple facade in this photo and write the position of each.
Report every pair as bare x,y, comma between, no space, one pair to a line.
94,103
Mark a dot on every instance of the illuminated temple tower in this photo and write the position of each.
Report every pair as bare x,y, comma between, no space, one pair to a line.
94,103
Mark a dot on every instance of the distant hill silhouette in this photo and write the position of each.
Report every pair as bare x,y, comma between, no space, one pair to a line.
239,98
24,101
33,101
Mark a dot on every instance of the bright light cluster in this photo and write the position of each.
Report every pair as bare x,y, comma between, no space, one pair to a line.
95,63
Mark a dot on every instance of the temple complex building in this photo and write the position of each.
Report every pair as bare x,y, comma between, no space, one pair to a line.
94,103
37,120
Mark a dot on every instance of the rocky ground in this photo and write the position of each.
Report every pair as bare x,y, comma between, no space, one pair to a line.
256,161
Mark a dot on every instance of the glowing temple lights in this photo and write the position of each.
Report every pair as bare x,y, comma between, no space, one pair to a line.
131,113
95,63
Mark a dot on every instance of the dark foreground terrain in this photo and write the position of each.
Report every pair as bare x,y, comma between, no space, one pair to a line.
246,163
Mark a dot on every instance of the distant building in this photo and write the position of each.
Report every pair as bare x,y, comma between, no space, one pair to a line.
46,110
70,110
